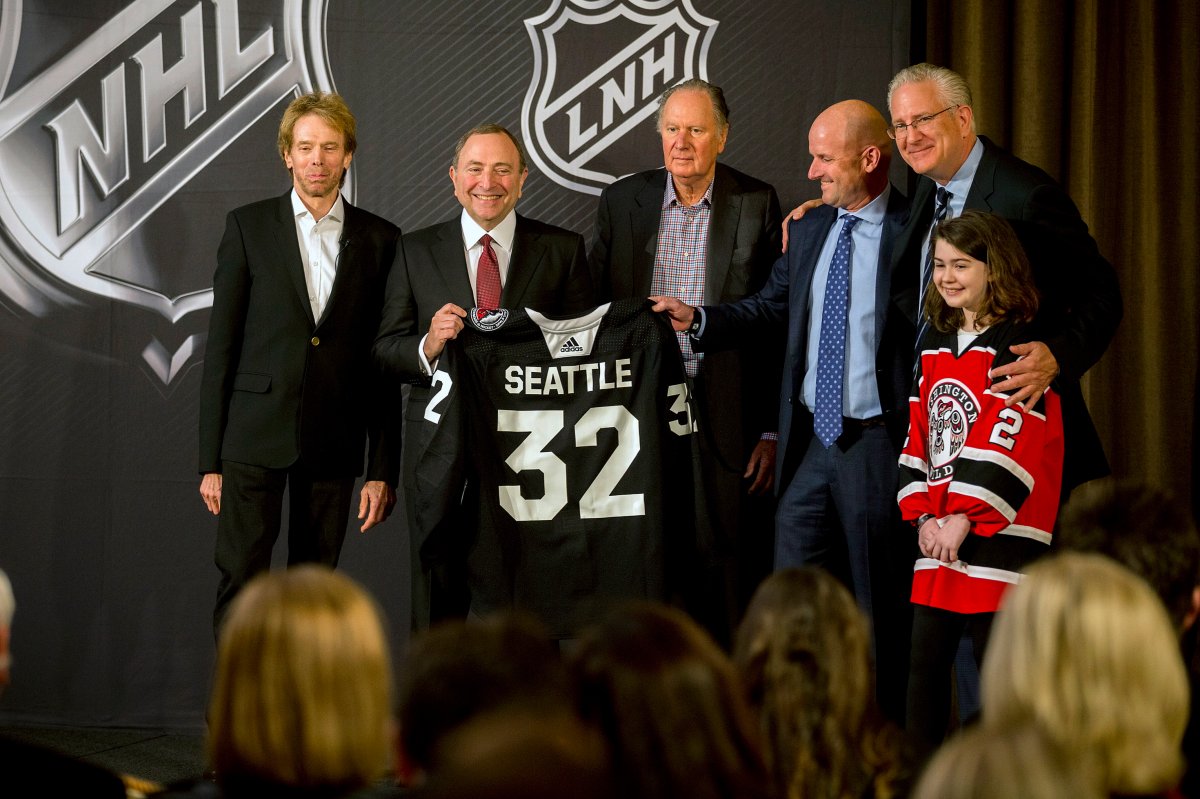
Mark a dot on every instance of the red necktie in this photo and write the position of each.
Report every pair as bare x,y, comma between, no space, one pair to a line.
487,277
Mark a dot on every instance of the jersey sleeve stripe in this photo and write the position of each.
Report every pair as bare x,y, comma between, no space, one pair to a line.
1004,461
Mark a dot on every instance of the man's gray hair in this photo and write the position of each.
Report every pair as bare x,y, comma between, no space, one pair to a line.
715,95
952,88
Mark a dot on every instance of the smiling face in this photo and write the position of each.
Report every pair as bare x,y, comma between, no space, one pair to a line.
938,147
317,159
488,178
960,279
691,138
837,166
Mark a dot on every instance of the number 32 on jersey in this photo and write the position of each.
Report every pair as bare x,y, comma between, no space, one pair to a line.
543,425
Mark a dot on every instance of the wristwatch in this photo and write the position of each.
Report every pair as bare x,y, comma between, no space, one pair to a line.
924,517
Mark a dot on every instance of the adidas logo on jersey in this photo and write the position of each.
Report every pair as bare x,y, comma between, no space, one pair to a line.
570,345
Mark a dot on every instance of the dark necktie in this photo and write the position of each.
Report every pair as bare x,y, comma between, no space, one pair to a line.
939,214
831,352
487,276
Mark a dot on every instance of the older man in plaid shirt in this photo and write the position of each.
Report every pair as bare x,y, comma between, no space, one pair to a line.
707,234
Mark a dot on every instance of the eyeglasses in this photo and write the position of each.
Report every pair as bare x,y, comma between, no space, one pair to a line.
900,130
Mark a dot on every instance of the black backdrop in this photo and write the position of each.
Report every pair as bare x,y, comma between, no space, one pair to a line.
106,257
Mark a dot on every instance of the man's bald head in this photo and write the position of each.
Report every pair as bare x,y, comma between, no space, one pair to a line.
851,153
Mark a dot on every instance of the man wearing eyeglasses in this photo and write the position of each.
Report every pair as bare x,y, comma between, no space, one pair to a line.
934,128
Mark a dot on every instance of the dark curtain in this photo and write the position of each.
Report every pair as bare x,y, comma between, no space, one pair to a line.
1102,96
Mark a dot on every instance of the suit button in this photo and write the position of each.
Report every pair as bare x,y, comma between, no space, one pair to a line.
316,341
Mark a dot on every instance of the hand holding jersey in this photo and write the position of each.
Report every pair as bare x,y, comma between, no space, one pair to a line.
571,432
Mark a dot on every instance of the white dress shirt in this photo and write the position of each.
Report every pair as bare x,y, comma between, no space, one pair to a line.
320,245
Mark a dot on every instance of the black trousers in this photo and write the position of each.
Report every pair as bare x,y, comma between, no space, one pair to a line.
251,517
935,637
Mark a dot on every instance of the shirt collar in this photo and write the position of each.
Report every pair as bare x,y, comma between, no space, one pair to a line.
960,184
502,234
670,198
873,212
337,213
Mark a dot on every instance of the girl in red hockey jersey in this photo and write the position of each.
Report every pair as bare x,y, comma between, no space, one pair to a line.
979,479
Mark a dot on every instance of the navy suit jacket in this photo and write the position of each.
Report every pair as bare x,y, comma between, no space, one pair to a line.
787,295
1080,297
743,242
280,387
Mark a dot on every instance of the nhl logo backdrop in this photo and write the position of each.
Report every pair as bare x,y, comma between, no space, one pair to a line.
97,143
130,128
599,67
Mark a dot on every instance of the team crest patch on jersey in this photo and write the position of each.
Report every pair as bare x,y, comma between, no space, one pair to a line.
488,319
952,411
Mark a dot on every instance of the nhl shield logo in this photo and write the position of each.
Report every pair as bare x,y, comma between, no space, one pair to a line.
100,148
589,91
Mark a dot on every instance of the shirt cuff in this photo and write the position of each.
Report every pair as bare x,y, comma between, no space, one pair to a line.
427,368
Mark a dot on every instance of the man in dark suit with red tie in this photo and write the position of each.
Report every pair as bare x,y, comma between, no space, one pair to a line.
487,256
289,394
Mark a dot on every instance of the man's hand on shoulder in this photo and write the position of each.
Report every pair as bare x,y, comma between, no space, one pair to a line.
797,213
1029,376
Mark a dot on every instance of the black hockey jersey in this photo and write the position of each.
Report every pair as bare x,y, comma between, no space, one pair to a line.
574,435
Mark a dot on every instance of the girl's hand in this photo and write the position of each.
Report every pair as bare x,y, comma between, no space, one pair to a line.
948,537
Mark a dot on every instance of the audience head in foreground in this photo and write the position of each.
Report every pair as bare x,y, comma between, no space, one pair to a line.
670,707
804,653
302,693
1002,764
1084,650
469,689
1147,531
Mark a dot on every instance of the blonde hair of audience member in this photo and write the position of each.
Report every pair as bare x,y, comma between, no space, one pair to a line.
1084,649
803,650
302,694
1000,764
670,707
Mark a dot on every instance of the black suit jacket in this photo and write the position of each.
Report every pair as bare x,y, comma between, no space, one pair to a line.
788,295
548,273
743,241
279,386
1080,297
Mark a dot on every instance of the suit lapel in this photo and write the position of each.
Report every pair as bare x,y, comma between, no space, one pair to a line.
726,209
808,252
527,255
289,250
984,183
344,271
892,269
644,218
450,262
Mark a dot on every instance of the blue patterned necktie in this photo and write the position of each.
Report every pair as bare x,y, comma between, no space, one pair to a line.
939,214
831,354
